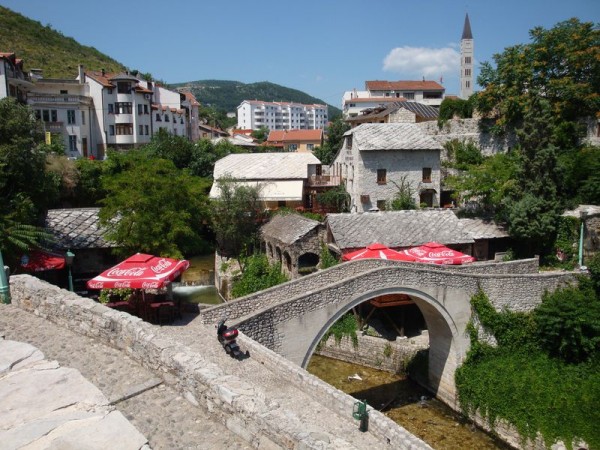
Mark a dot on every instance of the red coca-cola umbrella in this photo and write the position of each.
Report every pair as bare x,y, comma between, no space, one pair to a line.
140,271
378,251
38,260
435,253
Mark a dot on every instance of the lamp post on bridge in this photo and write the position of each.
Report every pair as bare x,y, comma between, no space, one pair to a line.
69,256
4,286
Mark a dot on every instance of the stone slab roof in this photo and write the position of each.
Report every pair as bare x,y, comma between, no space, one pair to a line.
397,229
76,228
265,166
288,228
483,229
391,136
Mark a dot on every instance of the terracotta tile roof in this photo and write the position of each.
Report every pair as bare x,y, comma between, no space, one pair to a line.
154,106
375,100
190,98
246,132
295,135
378,85
143,90
103,79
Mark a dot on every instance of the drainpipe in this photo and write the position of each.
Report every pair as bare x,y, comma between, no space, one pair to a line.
4,286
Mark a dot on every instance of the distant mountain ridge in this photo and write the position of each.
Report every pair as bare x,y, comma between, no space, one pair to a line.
227,95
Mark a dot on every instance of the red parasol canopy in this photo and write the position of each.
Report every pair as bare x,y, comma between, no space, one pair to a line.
140,271
378,251
38,261
435,253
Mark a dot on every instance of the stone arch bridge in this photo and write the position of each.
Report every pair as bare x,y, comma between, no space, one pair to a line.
291,318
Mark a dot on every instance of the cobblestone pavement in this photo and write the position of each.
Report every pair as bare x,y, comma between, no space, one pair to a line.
160,413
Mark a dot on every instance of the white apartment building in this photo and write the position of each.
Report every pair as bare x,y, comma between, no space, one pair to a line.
98,110
13,81
253,114
382,93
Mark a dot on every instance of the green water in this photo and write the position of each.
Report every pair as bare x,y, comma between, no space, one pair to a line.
201,274
406,403
198,294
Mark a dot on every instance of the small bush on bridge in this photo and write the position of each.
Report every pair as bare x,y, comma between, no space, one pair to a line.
543,376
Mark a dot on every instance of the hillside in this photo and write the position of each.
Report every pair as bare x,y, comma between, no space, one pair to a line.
42,47
227,95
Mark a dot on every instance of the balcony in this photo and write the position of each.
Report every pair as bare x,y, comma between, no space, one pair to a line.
324,180
36,99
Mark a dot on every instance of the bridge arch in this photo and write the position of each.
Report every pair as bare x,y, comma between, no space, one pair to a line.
443,335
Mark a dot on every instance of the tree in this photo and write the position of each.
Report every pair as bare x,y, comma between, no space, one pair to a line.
261,134
335,199
165,145
236,216
404,198
205,154
153,207
258,275
561,64
335,136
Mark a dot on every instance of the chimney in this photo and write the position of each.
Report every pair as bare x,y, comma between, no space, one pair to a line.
81,74
103,72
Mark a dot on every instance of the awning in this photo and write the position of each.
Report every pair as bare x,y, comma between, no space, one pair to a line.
38,261
290,190
435,253
377,251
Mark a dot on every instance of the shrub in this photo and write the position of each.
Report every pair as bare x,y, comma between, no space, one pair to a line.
258,274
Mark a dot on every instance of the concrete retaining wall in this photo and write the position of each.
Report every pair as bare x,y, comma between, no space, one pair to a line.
244,409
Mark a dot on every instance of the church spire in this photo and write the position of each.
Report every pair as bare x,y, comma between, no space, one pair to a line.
467,29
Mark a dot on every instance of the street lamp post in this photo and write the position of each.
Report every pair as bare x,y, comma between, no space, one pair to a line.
4,286
69,256
582,217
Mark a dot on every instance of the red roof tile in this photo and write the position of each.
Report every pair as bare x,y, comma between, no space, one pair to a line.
378,85
294,135
375,100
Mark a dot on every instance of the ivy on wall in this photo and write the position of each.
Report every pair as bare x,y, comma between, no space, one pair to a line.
532,378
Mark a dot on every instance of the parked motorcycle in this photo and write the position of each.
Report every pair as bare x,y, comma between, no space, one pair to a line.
227,338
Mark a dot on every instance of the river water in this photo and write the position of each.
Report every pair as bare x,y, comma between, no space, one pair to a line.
411,406
198,282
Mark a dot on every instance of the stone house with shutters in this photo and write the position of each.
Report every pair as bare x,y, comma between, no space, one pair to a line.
376,158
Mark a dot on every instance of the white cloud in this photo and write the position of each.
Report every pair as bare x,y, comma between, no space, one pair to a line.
420,61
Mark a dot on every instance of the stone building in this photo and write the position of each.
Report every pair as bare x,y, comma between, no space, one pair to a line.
295,242
377,157
397,112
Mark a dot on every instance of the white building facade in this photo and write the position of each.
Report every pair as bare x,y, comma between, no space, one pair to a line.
376,159
97,111
13,81
253,114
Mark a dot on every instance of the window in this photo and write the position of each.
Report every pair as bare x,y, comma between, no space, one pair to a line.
467,84
426,174
82,117
381,205
293,147
158,119
166,117
124,129
70,116
141,130
123,87
123,107
349,141
72,143
467,72
381,176
467,60
111,130
53,115
111,108
146,129
140,109
409,95
109,91
46,115
145,109
38,114
181,121
310,147
64,91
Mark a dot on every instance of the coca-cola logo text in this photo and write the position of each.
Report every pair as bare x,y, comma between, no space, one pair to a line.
122,284
442,254
150,285
129,272
161,266
95,284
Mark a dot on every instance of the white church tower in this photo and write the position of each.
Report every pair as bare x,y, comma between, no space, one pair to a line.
466,61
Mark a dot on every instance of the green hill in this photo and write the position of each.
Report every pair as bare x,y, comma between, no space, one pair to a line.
42,47
227,95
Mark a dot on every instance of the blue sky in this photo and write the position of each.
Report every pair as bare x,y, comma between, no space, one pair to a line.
321,47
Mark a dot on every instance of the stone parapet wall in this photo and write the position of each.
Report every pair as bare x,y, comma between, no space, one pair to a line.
313,282
375,352
244,409
468,129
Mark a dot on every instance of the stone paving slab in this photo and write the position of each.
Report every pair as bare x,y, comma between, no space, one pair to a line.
44,405
166,419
